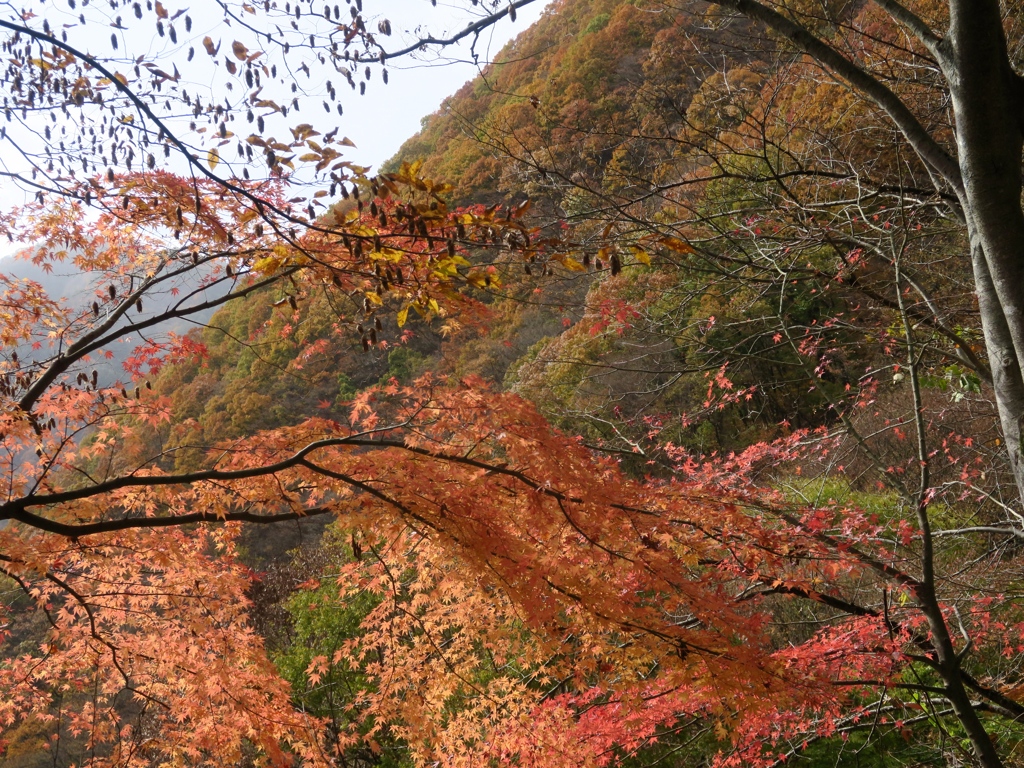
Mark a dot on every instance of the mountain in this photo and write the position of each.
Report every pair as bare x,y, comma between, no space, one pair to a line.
74,289
569,94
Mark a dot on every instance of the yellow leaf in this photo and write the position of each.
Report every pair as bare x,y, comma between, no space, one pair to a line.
309,157
570,263
403,315
642,256
212,158
374,298
434,306
677,245
267,265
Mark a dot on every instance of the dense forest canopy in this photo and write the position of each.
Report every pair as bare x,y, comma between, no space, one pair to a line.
658,403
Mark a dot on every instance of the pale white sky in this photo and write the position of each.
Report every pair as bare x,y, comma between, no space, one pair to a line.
388,115
377,122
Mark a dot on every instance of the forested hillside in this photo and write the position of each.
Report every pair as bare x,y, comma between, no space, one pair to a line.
646,409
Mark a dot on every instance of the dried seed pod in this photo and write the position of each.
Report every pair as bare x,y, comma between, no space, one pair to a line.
616,264
294,304
138,305
366,344
376,324
112,291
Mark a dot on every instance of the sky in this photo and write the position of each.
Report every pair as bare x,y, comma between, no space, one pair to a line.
377,122
388,115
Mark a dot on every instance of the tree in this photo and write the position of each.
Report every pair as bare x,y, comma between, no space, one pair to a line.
873,57
972,65
157,227
642,602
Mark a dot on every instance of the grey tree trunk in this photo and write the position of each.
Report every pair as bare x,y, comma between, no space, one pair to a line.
986,99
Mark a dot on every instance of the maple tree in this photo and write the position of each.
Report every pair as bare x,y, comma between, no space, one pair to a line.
513,597
794,200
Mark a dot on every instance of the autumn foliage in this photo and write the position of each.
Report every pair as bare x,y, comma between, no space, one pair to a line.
577,619
739,494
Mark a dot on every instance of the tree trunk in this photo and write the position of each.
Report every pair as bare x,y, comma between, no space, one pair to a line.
1007,381
986,99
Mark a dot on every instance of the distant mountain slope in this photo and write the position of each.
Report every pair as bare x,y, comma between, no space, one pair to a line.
594,91
571,91
67,284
